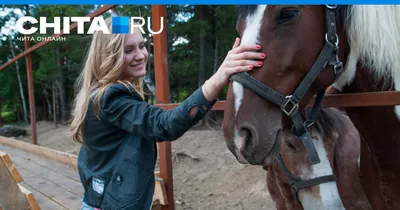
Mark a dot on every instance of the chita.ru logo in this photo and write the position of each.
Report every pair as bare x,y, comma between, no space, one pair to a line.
120,25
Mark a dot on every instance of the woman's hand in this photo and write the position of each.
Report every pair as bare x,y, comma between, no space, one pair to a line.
239,59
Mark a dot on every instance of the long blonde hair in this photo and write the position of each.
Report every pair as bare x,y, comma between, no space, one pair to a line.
103,67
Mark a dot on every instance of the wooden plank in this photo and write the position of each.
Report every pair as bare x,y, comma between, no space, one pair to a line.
50,154
32,165
384,98
29,196
61,181
160,191
54,192
11,167
43,201
156,205
11,196
45,163
17,179
220,105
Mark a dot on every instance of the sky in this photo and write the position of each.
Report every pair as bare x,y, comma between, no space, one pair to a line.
9,27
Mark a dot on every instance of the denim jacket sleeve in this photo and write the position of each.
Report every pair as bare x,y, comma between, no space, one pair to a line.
125,109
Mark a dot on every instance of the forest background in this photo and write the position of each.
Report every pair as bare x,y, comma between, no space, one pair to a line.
198,39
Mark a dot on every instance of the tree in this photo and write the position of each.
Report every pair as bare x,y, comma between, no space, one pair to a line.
21,89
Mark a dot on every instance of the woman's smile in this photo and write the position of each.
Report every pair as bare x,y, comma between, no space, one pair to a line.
138,66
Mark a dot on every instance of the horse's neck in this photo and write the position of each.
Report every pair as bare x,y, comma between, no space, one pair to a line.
374,123
346,153
364,81
380,155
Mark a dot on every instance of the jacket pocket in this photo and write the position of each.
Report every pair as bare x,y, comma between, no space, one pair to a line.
94,186
129,184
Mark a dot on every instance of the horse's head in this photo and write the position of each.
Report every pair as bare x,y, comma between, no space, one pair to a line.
292,38
330,125
319,190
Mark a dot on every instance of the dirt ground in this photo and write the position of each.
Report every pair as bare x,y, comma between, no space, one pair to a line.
206,175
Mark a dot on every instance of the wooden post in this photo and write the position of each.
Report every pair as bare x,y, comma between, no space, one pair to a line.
1,119
45,108
54,89
30,88
162,96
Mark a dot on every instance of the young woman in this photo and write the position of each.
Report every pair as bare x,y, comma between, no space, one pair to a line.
118,129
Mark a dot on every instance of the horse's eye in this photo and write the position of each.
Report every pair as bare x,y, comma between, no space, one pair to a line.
290,146
286,15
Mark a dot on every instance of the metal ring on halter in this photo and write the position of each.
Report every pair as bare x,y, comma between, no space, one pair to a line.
338,66
331,6
336,42
295,106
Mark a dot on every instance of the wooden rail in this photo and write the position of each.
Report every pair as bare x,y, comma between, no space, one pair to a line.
63,158
384,98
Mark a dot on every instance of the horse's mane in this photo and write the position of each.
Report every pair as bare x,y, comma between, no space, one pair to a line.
329,121
374,33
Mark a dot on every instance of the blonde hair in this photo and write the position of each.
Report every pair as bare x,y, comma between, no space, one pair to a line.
103,67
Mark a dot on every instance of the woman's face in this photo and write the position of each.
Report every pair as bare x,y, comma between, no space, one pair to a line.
135,56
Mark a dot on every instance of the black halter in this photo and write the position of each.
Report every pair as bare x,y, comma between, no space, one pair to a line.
290,104
297,184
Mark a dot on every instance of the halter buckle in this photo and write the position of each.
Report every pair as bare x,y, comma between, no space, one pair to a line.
336,44
337,68
308,123
294,106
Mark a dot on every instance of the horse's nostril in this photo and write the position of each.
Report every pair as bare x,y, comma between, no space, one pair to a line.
247,136
245,132
249,139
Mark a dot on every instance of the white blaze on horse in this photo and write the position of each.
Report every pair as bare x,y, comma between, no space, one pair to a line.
354,48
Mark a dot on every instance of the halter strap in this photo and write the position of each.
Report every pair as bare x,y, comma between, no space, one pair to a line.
296,184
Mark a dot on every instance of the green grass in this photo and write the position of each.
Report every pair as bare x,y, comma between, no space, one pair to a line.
9,119
8,115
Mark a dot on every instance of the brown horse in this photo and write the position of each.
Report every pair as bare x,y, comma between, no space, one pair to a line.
304,57
338,145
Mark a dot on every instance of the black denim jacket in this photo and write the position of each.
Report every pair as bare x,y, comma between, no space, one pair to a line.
116,163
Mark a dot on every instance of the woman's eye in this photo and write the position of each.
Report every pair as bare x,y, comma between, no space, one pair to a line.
286,15
128,51
141,46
